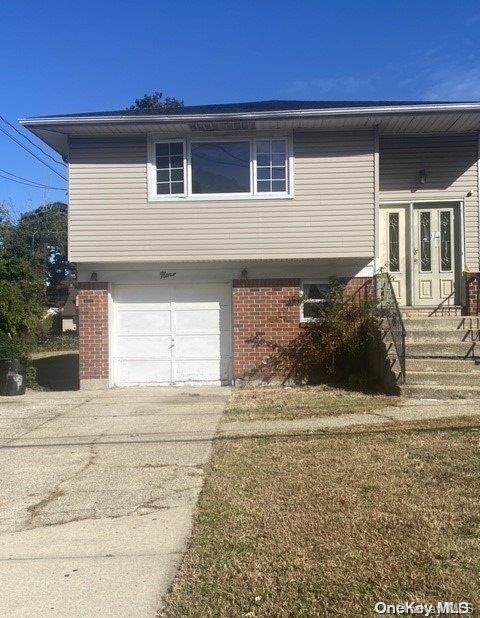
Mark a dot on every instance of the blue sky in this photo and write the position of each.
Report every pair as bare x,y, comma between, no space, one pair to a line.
62,57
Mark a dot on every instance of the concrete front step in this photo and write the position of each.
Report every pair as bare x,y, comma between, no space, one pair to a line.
425,391
458,365
442,349
448,323
431,312
445,378
434,336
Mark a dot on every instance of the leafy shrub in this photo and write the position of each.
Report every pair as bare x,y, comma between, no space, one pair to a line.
31,377
51,343
342,347
12,347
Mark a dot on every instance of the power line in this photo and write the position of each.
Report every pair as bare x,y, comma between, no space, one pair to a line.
32,142
32,153
31,184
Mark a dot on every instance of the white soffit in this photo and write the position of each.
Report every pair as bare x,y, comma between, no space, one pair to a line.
427,119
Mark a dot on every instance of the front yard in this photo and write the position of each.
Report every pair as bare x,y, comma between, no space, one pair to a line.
329,524
293,403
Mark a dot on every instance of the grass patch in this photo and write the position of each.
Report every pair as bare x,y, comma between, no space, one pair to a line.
300,402
54,343
326,525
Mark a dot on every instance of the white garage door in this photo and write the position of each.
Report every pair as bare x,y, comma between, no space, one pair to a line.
167,334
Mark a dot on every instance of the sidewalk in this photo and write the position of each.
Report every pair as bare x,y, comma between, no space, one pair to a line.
407,410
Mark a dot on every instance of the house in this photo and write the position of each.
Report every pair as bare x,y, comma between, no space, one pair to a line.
191,227
69,311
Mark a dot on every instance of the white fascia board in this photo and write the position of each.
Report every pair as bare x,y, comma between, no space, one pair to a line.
342,111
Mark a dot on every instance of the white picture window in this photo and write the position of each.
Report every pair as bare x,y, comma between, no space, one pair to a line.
313,294
221,169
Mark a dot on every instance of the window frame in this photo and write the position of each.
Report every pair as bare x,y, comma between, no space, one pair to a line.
153,160
187,195
304,318
253,158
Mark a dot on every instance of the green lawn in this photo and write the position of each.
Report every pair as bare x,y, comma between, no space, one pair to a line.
326,525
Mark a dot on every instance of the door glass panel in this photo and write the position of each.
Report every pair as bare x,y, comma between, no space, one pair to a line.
445,241
393,242
425,242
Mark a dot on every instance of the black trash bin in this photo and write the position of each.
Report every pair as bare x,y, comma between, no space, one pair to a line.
12,376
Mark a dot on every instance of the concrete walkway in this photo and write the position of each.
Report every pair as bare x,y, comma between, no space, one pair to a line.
407,410
97,492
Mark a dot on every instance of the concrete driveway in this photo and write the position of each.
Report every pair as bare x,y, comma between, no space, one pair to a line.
97,492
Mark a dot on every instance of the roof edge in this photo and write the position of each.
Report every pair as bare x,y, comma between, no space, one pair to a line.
354,111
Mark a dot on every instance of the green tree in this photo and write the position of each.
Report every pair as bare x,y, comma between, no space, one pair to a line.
22,290
34,269
40,237
156,101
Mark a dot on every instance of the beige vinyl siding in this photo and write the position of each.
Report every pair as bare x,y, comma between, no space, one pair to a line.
451,165
331,215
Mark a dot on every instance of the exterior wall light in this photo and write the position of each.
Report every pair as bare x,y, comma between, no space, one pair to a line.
422,177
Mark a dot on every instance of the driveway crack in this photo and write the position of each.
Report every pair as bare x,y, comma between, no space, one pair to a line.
35,510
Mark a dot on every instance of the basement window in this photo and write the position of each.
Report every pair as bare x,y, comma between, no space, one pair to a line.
314,294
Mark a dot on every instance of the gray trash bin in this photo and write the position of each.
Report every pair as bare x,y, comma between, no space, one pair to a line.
12,377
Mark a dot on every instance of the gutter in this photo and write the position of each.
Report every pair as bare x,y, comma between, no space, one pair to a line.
343,111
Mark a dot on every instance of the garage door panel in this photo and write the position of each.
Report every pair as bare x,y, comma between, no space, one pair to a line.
202,346
144,347
131,322
143,294
143,372
204,293
194,320
206,371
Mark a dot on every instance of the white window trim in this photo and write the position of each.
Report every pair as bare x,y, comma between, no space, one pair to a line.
312,300
188,196
152,171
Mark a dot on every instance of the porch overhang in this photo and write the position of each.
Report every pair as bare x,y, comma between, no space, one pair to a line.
390,119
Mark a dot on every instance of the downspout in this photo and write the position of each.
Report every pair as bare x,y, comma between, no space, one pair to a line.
376,198
478,215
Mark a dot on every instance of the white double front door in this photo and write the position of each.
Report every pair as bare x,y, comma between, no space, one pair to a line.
168,334
418,247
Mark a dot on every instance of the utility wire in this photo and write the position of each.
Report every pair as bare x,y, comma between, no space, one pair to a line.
32,153
31,184
32,142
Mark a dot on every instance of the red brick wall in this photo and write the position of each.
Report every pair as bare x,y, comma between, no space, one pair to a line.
360,288
472,291
92,302
261,314
260,310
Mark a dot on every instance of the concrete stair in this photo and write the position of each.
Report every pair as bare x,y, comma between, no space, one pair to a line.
441,355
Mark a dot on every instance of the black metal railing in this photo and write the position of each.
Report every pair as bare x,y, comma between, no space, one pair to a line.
391,317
